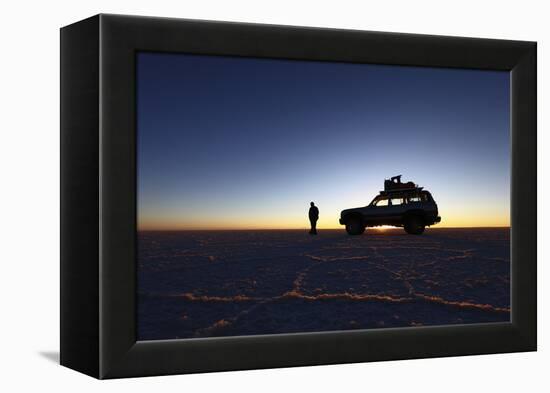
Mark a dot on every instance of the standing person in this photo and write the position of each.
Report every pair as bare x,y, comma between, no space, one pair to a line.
313,217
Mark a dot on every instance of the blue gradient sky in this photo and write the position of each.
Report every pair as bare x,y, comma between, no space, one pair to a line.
226,142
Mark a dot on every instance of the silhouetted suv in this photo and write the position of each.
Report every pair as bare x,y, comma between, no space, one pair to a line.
413,209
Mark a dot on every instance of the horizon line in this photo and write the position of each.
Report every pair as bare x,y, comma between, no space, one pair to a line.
306,228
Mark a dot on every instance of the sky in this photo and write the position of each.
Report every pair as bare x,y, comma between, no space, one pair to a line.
248,143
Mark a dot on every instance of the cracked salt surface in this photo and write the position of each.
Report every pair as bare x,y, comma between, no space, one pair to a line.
227,283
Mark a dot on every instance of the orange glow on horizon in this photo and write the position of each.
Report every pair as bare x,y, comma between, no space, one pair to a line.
453,216
303,224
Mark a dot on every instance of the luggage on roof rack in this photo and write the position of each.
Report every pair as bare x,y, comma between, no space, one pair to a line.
395,184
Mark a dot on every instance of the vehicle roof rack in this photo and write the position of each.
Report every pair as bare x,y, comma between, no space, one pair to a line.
402,191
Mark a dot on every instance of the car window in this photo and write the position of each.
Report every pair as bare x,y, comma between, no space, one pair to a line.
381,202
418,198
397,201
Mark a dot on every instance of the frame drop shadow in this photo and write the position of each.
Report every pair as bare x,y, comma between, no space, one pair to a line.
52,356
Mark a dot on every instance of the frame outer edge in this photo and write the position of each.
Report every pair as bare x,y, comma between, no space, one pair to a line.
122,356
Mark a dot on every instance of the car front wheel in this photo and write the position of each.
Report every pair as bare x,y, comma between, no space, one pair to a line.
354,226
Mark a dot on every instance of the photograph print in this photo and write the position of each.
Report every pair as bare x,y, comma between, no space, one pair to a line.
281,196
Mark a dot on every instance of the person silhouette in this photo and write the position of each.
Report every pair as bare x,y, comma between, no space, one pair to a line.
313,217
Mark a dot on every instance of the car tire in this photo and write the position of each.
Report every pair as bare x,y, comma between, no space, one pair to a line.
414,225
354,226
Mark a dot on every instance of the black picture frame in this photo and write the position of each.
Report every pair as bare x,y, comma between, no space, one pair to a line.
98,196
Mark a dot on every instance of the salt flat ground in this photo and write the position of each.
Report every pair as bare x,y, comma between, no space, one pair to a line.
225,283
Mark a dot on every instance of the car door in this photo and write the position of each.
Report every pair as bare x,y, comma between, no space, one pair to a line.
380,212
396,208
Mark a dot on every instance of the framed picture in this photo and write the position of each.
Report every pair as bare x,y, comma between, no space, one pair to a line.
239,196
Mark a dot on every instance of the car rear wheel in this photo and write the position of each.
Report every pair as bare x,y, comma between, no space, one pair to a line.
354,226
414,225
